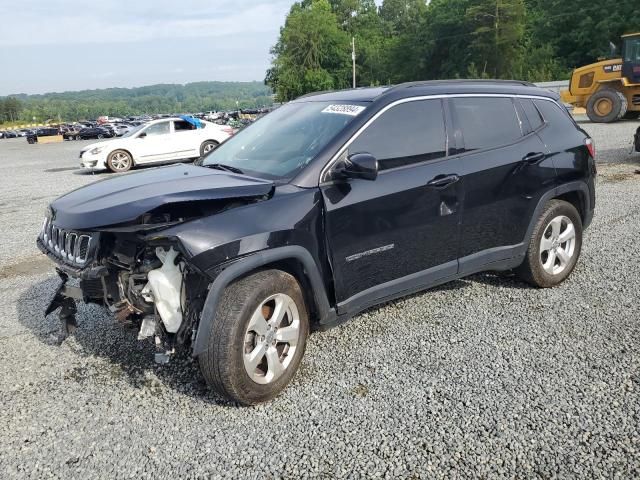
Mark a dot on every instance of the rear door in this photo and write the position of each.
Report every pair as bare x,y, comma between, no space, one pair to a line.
186,140
506,169
401,230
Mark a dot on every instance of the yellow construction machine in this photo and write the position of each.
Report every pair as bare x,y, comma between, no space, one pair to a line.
610,89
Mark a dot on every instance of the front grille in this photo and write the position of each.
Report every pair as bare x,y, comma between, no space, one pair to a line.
67,245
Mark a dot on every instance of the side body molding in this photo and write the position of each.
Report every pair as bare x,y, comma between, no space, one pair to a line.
253,262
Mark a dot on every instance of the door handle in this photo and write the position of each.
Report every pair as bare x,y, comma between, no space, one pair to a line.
443,180
534,157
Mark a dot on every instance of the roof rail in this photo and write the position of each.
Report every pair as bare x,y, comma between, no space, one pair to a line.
426,83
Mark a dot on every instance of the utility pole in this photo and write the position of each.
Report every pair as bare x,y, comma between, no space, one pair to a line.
353,59
497,25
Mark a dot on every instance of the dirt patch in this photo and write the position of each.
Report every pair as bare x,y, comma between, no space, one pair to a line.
360,390
619,177
28,266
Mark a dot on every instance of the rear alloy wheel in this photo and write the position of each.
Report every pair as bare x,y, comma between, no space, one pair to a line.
78,137
554,247
119,161
207,147
257,338
606,106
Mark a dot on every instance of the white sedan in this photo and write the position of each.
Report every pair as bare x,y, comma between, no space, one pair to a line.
160,141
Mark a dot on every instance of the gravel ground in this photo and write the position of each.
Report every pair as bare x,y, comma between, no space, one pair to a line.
483,377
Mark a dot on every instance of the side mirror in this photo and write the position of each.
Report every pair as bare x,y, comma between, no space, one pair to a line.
360,165
142,135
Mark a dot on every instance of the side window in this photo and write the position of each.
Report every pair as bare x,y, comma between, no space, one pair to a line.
182,126
408,133
486,122
532,113
553,113
158,129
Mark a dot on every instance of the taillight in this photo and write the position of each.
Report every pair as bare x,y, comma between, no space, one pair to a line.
591,147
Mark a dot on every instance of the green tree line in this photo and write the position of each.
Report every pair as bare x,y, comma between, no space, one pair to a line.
407,40
89,104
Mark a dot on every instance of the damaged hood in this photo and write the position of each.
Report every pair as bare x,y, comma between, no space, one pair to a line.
125,198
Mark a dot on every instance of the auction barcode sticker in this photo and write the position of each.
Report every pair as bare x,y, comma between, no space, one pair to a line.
351,110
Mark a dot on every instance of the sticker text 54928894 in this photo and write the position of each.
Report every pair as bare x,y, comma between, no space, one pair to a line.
351,110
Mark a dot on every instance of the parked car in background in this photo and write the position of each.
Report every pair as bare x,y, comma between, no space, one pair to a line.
164,140
122,129
72,133
33,135
94,132
10,134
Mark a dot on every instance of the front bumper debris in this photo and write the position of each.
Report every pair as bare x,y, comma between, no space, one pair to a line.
65,299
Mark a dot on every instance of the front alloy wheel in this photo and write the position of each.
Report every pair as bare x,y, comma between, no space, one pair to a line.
119,161
257,337
271,338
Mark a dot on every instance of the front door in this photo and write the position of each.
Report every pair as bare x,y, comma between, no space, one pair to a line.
154,143
399,231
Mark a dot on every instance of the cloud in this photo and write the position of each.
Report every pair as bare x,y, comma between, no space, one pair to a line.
58,22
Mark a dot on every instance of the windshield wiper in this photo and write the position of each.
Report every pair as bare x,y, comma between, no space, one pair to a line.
222,166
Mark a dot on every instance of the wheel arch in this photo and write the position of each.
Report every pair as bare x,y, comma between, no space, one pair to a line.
578,199
295,260
576,193
612,84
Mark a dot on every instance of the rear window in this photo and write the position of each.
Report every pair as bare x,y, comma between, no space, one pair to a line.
181,126
554,113
487,122
532,113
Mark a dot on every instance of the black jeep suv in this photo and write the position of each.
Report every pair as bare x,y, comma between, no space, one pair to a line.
330,204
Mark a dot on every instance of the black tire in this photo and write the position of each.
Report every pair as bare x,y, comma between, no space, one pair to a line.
78,137
606,106
532,269
119,161
222,365
208,146
31,141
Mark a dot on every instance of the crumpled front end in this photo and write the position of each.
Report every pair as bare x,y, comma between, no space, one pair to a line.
111,245
148,285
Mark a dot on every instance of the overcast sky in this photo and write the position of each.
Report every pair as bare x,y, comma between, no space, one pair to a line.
59,45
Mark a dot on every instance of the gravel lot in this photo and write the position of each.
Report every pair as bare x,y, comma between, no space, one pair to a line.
483,377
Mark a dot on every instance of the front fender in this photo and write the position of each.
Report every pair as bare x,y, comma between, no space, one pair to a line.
249,264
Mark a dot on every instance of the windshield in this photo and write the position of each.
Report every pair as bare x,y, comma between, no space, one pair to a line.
283,142
133,131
